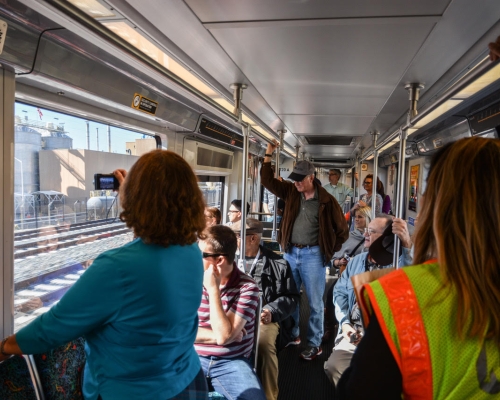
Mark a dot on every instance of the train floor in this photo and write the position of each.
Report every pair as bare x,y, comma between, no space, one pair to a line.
304,380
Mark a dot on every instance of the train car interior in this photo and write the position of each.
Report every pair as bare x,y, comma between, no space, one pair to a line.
364,87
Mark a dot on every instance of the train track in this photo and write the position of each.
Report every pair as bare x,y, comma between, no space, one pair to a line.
42,274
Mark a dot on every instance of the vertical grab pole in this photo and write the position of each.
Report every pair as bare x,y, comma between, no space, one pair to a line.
358,170
276,175
400,192
375,174
414,94
244,178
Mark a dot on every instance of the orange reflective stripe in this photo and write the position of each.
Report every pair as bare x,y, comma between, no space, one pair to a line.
416,367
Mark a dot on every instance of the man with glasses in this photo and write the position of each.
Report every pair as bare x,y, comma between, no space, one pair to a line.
347,311
280,298
226,318
234,212
336,188
313,228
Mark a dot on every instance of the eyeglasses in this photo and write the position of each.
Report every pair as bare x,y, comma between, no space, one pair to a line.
206,255
233,211
334,174
367,183
370,231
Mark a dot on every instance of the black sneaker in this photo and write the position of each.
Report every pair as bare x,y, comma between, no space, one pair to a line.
294,342
310,353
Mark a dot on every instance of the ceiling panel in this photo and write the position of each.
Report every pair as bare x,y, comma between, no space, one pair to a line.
329,67
255,10
345,125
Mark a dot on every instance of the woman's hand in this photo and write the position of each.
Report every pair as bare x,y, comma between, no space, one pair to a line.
120,175
362,203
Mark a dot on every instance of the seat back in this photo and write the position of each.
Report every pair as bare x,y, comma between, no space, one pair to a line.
17,380
61,371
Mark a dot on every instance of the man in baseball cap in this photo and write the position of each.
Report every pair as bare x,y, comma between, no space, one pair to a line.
313,227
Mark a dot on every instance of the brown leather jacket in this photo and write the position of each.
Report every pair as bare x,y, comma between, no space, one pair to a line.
333,229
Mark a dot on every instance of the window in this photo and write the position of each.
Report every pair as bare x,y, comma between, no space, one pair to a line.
61,223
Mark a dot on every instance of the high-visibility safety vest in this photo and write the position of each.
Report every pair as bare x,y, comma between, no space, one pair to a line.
417,316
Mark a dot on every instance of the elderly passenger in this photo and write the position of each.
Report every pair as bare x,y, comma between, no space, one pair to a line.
346,307
136,305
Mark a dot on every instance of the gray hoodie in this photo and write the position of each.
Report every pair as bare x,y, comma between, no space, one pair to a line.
355,237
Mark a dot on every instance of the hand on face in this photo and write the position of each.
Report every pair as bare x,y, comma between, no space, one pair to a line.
212,277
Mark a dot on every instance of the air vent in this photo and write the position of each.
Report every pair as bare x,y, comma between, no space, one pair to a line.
211,158
329,160
330,140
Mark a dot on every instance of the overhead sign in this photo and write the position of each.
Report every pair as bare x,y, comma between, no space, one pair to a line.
144,104
3,33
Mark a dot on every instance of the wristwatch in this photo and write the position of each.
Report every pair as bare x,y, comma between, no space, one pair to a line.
268,155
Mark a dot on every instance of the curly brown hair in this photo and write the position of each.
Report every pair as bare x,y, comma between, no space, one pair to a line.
161,200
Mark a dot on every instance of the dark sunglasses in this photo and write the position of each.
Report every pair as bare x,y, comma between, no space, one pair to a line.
206,255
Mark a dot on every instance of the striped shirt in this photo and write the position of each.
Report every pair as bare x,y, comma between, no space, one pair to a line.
240,295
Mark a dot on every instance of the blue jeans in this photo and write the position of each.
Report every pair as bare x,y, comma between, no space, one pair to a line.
307,268
234,378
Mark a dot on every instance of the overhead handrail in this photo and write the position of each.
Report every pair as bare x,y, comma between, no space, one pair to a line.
482,68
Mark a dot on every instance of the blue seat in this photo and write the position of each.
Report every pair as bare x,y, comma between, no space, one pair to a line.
16,381
61,371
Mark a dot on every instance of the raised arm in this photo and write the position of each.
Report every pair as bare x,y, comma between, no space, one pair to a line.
275,186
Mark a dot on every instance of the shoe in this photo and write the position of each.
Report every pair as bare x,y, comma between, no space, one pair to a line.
310,353
294,342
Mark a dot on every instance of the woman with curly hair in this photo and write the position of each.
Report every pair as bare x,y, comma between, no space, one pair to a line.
137,305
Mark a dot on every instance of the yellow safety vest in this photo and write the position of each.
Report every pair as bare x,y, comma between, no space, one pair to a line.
417,317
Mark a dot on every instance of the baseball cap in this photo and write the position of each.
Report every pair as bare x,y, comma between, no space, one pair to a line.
252,226
382,249
301,170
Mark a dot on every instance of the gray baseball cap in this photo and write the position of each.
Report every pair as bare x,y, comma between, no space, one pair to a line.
301,170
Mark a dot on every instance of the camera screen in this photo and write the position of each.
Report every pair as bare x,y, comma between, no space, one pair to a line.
106,182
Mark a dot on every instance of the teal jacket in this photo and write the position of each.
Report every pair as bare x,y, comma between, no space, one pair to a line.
137,308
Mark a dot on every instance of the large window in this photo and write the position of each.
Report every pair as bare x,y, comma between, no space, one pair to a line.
61,223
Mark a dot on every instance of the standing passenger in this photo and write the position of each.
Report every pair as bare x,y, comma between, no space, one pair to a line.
312,229
136,305
336,188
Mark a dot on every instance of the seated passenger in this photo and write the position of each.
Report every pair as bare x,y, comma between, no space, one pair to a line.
212,216
346,308
351,247
279,300
227,319
234,212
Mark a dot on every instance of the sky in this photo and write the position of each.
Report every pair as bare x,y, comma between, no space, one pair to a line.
76,128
